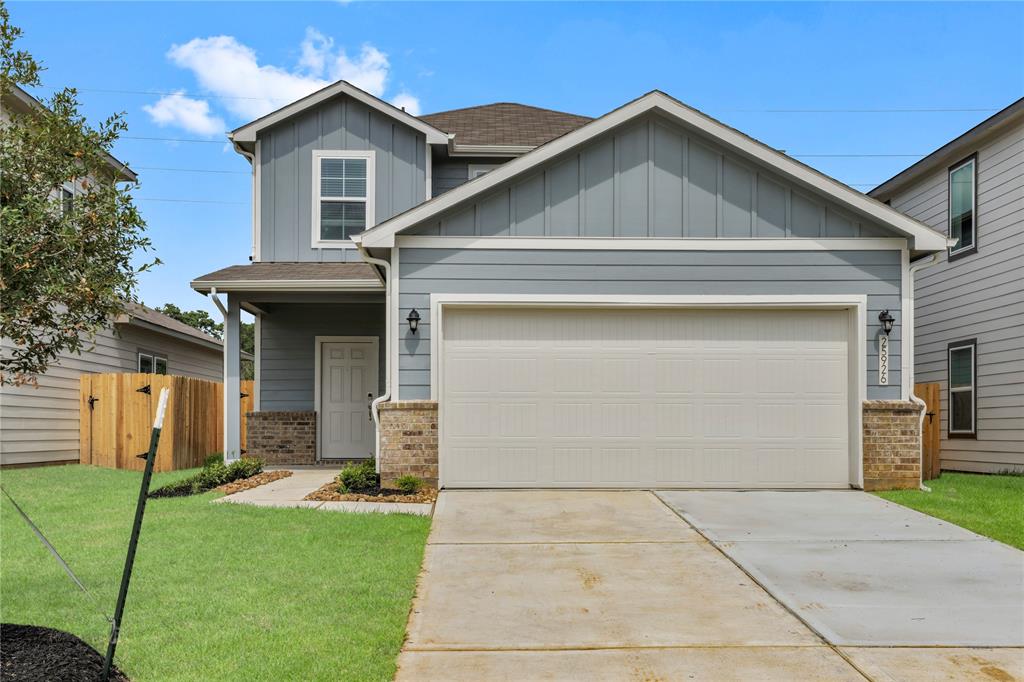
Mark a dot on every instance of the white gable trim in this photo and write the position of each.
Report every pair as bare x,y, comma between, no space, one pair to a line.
924,238
247,133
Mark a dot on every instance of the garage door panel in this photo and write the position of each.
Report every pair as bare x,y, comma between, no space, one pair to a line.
741,399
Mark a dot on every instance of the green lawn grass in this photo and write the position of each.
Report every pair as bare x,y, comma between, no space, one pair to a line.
991,505
219,592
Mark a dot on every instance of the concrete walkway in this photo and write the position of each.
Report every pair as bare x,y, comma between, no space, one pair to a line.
288,492
531,585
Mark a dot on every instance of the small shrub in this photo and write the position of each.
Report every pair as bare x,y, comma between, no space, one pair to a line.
409,484
215,458
358,477
244,468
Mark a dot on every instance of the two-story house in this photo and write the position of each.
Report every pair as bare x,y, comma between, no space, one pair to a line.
505,296
969,309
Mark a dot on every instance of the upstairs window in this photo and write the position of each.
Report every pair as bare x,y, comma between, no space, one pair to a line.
962,207
478,169
962,371
152,364
343,196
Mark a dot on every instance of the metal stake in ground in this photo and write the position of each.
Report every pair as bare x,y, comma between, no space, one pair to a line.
133,542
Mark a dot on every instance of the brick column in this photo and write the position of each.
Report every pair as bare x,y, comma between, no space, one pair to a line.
408,440
281,437
892,445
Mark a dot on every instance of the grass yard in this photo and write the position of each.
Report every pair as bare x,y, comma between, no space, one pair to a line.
219,592
990,505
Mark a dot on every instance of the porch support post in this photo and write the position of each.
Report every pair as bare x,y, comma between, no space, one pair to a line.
232,380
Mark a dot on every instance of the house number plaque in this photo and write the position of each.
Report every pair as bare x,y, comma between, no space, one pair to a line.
883,360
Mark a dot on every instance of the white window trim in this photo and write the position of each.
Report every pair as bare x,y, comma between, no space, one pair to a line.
153,357
371,190
973,346
972,162
482,168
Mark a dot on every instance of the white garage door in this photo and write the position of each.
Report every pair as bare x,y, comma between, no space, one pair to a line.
559,397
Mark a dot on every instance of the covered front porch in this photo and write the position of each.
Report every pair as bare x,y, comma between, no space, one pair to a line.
319,358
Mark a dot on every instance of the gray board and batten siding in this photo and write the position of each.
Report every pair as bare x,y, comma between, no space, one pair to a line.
651,178
288,334
286,173
41,424
876,274
979,296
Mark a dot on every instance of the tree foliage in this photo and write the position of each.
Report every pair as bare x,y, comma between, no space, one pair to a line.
65,266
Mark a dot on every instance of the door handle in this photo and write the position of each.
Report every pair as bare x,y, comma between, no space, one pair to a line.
369,407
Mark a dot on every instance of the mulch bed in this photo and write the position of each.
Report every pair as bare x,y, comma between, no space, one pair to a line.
329,493
29,653
253,481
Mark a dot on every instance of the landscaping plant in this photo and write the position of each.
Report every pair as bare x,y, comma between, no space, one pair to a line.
357,478
409,484
213,474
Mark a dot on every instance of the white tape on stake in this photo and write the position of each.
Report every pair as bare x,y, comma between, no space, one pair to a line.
883,360
161,408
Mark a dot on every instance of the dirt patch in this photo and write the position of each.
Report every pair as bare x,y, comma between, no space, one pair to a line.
30,653
329,493
253,481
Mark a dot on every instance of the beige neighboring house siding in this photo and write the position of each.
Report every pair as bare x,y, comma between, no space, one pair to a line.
979,296
41,424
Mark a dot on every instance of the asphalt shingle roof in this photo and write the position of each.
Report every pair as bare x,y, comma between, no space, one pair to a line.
290,271
505,123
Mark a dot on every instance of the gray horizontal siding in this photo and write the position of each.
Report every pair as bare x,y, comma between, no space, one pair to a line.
287,342
647,179
448,173
41,424
979,296
286,173
427,271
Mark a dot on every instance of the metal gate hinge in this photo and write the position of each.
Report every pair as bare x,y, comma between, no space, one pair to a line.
145,389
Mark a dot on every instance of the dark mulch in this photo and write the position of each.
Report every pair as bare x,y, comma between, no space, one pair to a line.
253,481
29,653
329,493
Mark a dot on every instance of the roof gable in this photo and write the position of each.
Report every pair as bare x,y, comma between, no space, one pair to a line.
743,148
247,133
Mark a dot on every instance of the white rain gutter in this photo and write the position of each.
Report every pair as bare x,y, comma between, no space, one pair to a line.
908,348
388,369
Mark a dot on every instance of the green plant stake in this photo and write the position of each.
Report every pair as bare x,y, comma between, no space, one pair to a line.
133,542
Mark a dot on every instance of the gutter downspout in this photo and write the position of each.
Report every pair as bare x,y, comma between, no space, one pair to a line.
252,164
908,347
224,362
388,369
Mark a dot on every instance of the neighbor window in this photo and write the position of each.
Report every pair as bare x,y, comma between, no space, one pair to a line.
67,201
342,196
962,213
478,169
152,364
962,366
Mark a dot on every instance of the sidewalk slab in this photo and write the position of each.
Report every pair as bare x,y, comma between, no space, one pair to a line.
938,665
419,509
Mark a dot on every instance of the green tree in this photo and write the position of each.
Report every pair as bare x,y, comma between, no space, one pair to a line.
65,267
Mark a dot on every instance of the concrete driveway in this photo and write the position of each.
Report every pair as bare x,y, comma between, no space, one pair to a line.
597,585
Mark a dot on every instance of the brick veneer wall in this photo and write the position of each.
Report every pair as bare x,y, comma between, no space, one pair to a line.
281,437
408,440
892,445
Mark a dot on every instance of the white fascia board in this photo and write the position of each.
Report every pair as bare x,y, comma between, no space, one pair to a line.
247,133
925,239
456,149
287,285
617,244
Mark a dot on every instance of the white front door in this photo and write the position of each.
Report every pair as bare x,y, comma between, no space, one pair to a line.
348,383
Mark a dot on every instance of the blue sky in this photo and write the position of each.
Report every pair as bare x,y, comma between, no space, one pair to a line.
735,61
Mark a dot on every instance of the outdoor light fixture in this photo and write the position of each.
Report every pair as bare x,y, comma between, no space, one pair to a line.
886,319
414,321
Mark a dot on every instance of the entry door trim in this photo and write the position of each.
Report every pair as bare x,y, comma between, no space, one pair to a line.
855,304
318,349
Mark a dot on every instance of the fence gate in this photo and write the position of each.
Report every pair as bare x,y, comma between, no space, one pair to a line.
930,441
116,417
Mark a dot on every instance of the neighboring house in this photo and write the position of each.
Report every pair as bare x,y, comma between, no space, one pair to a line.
969,311
39,424
645,299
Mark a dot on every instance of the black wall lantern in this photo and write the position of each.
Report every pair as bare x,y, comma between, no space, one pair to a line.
886,320
414,320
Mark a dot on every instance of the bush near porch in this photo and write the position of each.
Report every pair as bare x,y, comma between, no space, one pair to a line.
988,504
219,592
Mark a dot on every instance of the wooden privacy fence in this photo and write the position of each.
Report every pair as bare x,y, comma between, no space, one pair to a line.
930,460
117,411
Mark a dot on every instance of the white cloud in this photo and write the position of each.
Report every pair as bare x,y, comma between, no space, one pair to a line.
410,103
184,112
231,71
